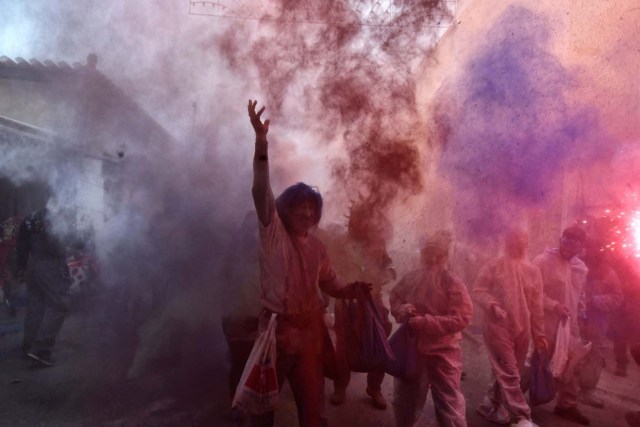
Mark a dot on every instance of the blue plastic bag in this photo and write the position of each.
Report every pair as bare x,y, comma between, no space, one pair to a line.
404,344
367,347
542,388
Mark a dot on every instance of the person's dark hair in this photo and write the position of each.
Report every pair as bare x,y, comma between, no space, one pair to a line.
575,233
295,195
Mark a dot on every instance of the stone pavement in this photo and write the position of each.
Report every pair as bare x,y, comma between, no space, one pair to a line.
58,395
619,394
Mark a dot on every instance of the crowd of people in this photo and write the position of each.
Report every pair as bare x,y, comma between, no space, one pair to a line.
302,271
574,285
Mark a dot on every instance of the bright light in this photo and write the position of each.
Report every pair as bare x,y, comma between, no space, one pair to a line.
623,231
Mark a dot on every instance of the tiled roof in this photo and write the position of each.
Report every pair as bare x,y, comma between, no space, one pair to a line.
43,71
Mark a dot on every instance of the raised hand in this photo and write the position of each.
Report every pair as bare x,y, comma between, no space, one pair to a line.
259,127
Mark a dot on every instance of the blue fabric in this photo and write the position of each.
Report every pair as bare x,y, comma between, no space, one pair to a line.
367,347
404,345
541,388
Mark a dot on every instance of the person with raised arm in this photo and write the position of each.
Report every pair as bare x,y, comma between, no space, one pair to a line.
294,270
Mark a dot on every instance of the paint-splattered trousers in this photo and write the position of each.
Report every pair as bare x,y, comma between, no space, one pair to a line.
440,373
507,354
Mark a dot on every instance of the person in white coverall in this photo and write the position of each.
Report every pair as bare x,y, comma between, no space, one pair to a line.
509,290
437,307
563,279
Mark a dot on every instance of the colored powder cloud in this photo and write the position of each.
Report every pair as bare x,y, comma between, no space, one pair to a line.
507,128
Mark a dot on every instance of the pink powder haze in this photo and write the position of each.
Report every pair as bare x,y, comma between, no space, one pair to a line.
513,114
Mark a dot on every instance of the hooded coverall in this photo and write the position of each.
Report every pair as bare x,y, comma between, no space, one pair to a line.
514,285
563,283
444,304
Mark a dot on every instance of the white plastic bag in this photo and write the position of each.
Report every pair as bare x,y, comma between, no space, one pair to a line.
561,353
257,391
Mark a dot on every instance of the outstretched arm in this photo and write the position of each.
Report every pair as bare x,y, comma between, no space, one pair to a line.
261,190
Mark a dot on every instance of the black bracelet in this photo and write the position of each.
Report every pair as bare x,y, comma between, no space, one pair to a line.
263,158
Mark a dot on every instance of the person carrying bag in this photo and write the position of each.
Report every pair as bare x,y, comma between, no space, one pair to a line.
367,346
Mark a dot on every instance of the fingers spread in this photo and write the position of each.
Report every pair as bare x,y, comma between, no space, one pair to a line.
252,108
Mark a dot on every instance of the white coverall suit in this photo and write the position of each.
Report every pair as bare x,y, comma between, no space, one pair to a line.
515,286
563,283
444,304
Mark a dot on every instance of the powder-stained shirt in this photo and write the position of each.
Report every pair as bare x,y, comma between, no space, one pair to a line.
442,300
515,285
291,268
563,283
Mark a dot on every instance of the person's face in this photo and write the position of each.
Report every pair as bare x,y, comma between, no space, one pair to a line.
433,256
302,218
570,247
516,244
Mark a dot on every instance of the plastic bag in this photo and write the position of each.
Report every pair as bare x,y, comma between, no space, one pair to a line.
367,347
561,353
257,391
404,345
541,386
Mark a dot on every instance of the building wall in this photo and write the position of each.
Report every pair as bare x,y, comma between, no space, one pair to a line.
53,107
